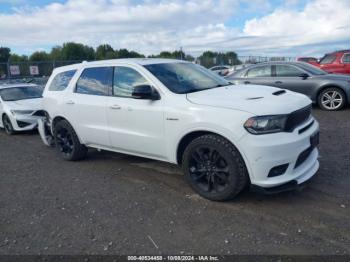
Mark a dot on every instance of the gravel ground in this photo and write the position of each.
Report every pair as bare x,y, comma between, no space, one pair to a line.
117,204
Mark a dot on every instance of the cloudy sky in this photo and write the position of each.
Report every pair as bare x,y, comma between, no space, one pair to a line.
249,27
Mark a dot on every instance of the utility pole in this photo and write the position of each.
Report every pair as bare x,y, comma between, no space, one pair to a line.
181,52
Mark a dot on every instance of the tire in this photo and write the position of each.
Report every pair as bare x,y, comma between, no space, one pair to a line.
68,143
214,168
331,99
8,125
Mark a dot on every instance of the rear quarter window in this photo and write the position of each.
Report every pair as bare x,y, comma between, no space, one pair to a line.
61,80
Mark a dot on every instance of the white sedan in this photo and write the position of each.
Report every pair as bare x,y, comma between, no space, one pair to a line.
20,107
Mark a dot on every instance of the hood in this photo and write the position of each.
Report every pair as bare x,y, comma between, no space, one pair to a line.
255,99
26,104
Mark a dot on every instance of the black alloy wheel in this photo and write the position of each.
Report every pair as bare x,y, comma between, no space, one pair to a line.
214,168
68,142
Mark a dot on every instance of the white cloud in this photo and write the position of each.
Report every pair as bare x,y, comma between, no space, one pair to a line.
320,22
152,25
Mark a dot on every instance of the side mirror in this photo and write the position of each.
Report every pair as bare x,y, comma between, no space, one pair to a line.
304,75
145,92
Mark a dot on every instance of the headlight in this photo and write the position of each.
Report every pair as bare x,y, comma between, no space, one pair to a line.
22,112
266,124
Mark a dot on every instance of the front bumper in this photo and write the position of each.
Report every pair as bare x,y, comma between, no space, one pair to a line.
263,153
24,122
44,128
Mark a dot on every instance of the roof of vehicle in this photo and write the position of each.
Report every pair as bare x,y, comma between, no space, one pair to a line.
300,63
339,51
138,61
3,86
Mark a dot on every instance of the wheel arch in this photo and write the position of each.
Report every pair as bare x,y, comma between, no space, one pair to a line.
187,138
321,89
58,118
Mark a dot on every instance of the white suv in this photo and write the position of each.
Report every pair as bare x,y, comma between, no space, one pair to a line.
224,136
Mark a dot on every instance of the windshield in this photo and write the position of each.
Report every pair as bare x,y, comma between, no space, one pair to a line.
21,93
313,69
182,78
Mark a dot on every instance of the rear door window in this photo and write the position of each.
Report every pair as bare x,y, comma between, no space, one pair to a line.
61,80
287,71
259,71
95,81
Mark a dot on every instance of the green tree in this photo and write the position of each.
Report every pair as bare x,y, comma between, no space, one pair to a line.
14,58
105,52
76,51
39,56
56,53
209,59
4,54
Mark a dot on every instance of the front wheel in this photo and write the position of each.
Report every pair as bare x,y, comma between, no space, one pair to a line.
214,168
68,142
8,125
331,99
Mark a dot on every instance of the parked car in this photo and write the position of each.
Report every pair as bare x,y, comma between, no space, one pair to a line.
236,68
20,107
221,70
336,62
224,136
330,92
310,60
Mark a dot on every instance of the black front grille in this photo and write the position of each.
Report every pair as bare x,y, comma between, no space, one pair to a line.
297,118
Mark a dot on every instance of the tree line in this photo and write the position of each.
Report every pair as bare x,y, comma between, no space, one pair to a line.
79,52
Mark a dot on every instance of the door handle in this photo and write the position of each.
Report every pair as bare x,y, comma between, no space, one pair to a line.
246,82
278,82
70,102
115,107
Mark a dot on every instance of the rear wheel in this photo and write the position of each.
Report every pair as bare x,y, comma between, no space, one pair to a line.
8,125
214,168
331,99
68,142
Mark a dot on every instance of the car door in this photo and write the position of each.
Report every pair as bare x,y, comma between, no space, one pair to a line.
346,64
258,75
293,78
85,107
135,125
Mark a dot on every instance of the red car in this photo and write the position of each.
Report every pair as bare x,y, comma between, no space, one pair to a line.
337,62
310,60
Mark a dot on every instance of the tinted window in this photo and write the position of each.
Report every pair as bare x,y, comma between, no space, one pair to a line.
185,78
95,81
21,93
260,71
312,69
327,59
61,80
286,70
125,79
346,58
